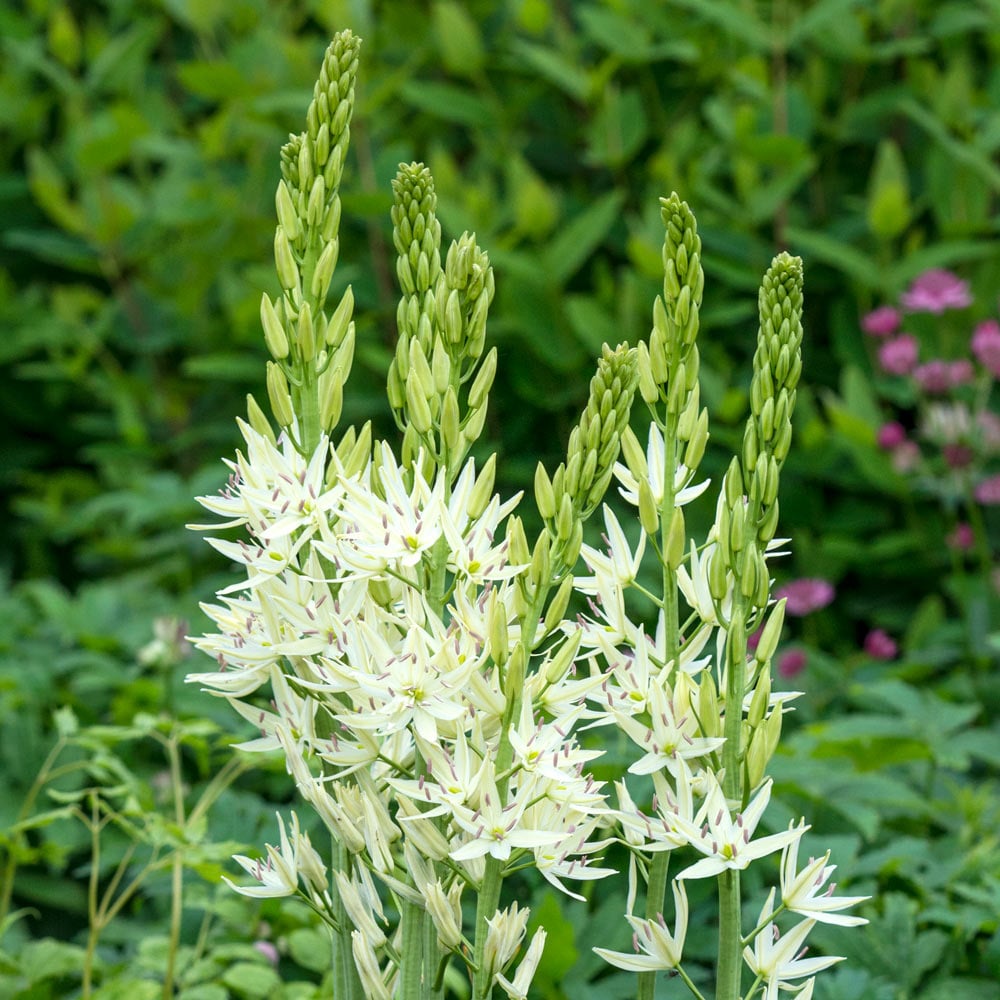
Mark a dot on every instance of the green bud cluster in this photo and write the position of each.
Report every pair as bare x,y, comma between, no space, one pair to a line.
442,328
747,517
312,353
567,499
669,363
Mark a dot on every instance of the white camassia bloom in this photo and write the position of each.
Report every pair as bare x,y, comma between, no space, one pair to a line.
517,989
776,958
504,936
618,565
656,463
725,840
668,738
279,874
800,891
655,947
369,970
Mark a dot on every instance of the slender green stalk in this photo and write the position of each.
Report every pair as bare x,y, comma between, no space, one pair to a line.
346,982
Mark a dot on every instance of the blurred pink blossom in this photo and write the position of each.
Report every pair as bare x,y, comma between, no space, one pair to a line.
805,595
891,435
933,377
958,456
791,663
753,639
961,372
899,355
881,322
267,950
986,345
989,428
879,645
935,291
962,538
988,491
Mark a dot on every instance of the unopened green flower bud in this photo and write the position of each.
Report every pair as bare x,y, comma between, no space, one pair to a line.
737,527
571,549
323,272
635,457
734,483
541,565
474,423
420,369
288,270
769,523
771,633
649,511
558,666
258,421
451,431
748,573
331,399
760,699
416,403
708,706
479,498
499,648
341,318
514,681
274,329
695,450
517,542
278,394
718,577
556,610
545,498
440,367
673,553
647,384
287,214
305,334
316,206
483,382
565,518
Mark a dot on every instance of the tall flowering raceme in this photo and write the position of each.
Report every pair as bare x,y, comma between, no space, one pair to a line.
399,639
944,432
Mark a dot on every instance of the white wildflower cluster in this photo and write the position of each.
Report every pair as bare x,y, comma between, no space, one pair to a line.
414,658
390,711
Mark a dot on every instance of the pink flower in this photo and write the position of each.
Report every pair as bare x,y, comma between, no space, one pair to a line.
879,645
986,345
933,377
267,950
988,491
891,435
906,457
989,429
958,456
961,539
882,322
935,291
899,355
961,372
805,595
791,663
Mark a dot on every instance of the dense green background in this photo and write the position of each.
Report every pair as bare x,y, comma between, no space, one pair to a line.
138,161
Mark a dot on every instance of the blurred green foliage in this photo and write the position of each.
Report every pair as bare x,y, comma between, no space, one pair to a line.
138,164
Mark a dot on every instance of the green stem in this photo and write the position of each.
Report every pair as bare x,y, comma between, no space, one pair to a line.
730,931
413,985
346,981
177,870
656,889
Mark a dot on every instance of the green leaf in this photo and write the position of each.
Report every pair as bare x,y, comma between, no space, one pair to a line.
445,100
551,65
310,947
888,192
578,238
251,980
458,38
836,253
50,959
